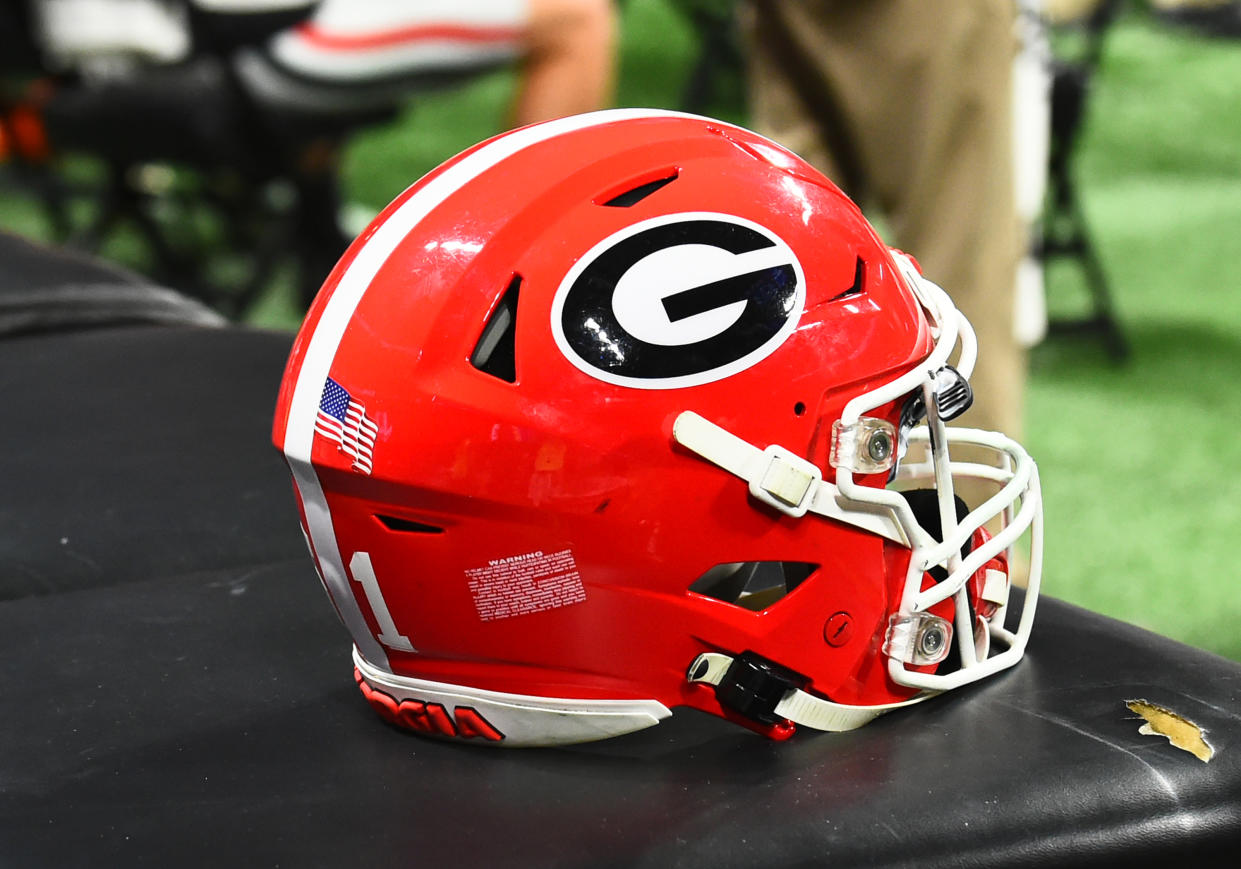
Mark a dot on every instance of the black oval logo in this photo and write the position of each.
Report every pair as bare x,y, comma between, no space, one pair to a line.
678,300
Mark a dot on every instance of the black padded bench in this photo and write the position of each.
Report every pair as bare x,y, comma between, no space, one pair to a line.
177,690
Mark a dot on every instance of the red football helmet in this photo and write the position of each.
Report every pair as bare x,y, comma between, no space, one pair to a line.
633,410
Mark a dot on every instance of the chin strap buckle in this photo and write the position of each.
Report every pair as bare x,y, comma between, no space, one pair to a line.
747,684
770,695
788,483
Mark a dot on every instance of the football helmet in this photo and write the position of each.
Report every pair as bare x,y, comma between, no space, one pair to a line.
633,410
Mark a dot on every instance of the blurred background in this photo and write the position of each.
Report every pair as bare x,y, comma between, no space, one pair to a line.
1134,395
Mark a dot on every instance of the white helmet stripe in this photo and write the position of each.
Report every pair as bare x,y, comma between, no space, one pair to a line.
298,440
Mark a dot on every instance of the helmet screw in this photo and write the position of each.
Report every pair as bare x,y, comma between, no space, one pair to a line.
879,446
931,642
839,629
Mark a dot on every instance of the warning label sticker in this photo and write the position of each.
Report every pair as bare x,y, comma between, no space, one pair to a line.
523,584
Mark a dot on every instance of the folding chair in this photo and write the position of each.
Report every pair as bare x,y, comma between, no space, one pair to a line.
1065,232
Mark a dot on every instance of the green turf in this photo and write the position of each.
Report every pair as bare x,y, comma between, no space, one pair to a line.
1143,506
1142,502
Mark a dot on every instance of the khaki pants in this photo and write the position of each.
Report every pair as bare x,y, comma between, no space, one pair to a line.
907,105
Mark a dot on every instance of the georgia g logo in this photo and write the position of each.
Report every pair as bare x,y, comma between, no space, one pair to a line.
678,300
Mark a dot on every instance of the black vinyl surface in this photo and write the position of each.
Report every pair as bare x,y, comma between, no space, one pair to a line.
139,452
43,291
175,689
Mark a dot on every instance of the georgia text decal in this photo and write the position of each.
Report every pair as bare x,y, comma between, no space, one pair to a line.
678,300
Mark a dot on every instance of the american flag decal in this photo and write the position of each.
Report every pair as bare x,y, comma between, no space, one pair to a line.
344,421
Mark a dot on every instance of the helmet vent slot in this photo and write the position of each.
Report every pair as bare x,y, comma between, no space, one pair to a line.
496,350
407,526
636,194
859,281
752,585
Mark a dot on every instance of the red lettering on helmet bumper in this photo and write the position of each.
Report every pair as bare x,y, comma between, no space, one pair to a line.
434,719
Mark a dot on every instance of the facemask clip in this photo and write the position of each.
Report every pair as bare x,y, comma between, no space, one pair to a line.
867,446
953,397
918,639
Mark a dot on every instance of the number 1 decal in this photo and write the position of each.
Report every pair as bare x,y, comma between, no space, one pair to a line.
364,573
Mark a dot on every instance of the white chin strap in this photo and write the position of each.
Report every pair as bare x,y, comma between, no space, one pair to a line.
799,706
780,478
795,486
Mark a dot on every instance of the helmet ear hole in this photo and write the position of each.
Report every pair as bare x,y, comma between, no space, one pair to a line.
753,585
925,506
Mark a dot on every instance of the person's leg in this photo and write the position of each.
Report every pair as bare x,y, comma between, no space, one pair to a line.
949,189
908,106
790,100
569,64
